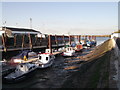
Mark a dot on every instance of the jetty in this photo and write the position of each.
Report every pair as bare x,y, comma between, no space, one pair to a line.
17,39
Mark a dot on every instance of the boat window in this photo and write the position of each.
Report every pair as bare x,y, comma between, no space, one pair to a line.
33,66
39,57
21,65
68,49
30,68
46,58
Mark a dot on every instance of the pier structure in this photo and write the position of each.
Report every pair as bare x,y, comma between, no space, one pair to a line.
17,39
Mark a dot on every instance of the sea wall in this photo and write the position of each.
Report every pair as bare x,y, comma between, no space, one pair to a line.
100,50
100,69
114,74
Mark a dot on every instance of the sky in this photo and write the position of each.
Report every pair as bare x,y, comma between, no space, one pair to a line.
63,17
119,15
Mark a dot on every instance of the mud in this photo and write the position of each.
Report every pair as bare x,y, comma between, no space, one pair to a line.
52,77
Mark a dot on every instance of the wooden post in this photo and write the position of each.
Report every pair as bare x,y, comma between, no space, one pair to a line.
30,41
64,40
56,40
5,37
69,40
41,40
15,40
89,37
3,42
49,43
36,40
95,38
22,41
79,38
85,39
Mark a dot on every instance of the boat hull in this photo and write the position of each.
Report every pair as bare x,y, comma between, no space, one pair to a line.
45,65
18,79
69,54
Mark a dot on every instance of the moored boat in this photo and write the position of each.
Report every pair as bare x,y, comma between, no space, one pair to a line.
22,70
24,56
78,47
69,52
45,59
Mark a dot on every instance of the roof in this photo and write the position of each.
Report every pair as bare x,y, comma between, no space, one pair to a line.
20,29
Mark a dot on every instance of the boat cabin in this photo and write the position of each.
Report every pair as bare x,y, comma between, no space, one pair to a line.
69,49
45,58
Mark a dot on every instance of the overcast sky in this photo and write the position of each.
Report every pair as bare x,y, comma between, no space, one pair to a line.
63,17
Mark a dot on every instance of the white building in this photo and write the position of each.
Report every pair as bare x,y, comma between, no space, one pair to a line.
115,34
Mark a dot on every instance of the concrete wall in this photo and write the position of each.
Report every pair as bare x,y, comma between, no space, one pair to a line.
114,75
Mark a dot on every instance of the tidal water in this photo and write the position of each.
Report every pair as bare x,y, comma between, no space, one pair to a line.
100,40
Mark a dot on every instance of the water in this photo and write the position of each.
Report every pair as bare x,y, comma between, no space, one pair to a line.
54,76
100,40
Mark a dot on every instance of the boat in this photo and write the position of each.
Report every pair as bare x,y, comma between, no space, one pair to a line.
24,56
91,43
45,59
21,71
69,52
78,48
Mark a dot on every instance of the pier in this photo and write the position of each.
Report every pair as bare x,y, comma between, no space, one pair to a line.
17,39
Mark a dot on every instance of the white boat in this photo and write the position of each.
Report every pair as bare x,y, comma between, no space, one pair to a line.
69,52
21,71
45,59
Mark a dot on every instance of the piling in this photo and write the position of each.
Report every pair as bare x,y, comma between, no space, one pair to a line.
49,43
